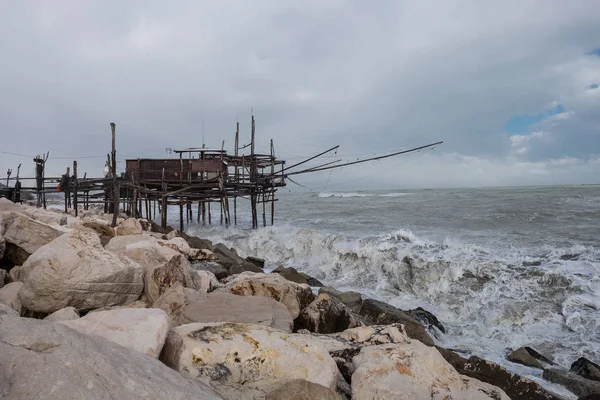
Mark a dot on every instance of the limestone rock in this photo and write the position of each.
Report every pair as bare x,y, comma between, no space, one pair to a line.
293,295
300,389
64,314
352,299
384,314
24,236
172,234
159,278
205,281
413,371
186,306
41,360
141,329
9,296
586,369
291,274
130,226
247,361
18,273
575,383
516,386
102,228
217,269
7,310
74,270
2,243
327,315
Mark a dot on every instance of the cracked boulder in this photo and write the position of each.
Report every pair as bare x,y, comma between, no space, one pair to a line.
244,361
293,295
75,270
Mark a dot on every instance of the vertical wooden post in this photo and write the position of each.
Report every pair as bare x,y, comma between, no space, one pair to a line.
75,183
181,216
235,210
116,191
272,176
209,214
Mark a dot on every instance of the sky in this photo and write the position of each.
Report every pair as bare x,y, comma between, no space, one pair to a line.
511,87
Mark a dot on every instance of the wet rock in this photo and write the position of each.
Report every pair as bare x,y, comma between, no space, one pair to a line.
411,370
294,296
384,314
64,314
24,236
310,281
515,386
232,262
217,269
259,262
351,299
75,270
290,274
529,357
9,296
536,263
300,389
586,369
2,277
426,318
245,361
41,360
327,315
575,383
141,329
154,227
130,226
2,243
197,243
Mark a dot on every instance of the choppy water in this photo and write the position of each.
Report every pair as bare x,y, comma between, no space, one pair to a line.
501,268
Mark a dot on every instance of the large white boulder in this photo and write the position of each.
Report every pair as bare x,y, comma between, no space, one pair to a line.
9,296
186,306
75,270
64,314
413,371
295,296
42,360
130,226
141,329
245,361
24,236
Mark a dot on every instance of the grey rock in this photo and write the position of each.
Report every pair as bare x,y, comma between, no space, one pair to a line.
575,383
529,357
216,268
290,274
587,369
352,299
326,314
384,314
42,360
300,389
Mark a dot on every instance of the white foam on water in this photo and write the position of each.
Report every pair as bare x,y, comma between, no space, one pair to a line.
343,195
488,300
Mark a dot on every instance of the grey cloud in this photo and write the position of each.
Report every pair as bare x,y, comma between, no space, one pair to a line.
371,77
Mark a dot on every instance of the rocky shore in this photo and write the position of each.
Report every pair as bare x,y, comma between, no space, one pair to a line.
137,312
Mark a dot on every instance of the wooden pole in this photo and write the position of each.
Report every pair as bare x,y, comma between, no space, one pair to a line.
75,186
116,193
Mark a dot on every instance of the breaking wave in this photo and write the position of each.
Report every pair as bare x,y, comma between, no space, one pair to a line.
488,300
343,195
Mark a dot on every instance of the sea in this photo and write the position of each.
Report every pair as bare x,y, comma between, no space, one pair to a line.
501,268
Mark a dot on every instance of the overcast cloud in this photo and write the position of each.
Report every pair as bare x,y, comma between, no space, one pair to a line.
371,76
